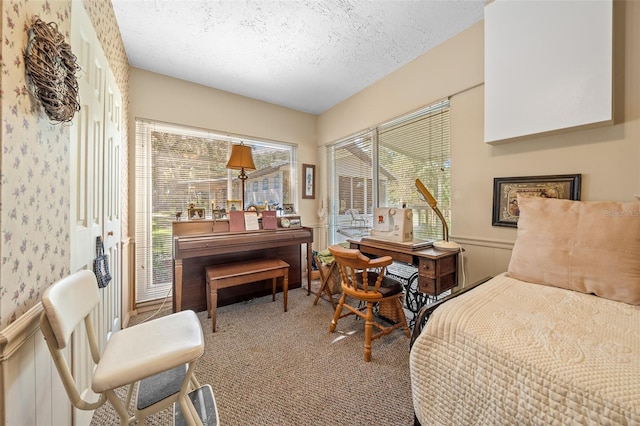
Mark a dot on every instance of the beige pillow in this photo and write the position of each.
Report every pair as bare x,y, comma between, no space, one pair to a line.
591,247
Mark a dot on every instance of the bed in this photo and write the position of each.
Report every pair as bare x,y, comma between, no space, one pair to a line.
554,340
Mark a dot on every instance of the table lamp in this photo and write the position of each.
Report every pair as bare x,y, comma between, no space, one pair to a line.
241,159
444,244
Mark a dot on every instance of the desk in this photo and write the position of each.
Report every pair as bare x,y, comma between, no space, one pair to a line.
193,253
437,269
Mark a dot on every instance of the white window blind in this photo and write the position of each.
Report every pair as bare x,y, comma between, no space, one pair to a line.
379,168
417,147
177,166
351,165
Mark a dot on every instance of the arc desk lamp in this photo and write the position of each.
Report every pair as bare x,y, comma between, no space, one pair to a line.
443,244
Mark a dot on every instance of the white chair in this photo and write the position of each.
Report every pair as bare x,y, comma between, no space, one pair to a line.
159,355
357,220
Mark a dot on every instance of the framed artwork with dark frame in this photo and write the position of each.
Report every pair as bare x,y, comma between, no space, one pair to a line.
309,181
506,190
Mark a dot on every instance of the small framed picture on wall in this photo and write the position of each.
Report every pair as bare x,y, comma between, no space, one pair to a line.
309,181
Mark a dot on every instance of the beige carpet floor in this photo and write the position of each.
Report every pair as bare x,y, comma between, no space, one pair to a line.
269,367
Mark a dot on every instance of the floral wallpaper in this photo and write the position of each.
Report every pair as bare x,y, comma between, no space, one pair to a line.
34,162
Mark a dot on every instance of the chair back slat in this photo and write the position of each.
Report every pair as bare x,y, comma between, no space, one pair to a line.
356,268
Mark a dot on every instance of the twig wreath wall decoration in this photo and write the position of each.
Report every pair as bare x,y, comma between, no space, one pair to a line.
51,71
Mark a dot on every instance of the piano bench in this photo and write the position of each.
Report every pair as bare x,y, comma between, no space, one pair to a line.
233,274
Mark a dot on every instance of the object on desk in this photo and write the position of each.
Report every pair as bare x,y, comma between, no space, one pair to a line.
284,222
410,245
216,214
269,220
295,222
289,221
195,213
236,221
251,221
234,205
393,224
444,244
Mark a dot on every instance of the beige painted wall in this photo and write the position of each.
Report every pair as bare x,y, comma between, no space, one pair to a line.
158,97
607,157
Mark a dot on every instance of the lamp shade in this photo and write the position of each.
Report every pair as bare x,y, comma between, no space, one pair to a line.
241,158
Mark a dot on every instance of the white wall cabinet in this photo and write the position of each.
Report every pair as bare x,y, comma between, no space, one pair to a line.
548,67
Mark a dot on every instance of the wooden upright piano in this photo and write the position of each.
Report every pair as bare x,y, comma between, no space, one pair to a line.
202,243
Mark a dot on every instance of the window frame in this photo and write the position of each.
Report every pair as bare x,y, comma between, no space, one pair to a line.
146,289
426,225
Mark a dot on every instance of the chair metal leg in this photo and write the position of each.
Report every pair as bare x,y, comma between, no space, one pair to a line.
117,404
188,410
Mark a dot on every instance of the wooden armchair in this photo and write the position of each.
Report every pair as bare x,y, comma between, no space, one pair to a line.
364,279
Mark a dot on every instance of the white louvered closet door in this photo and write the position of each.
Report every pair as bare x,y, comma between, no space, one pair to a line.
95,162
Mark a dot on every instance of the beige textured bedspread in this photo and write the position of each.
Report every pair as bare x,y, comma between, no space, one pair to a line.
510,352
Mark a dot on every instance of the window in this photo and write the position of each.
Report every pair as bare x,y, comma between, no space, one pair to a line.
351,168
379,167
178,166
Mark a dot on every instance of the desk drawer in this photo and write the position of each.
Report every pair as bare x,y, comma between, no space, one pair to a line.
428,267
367,250
437,276
435,286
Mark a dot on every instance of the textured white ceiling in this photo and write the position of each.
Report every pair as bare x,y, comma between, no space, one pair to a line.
307,55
